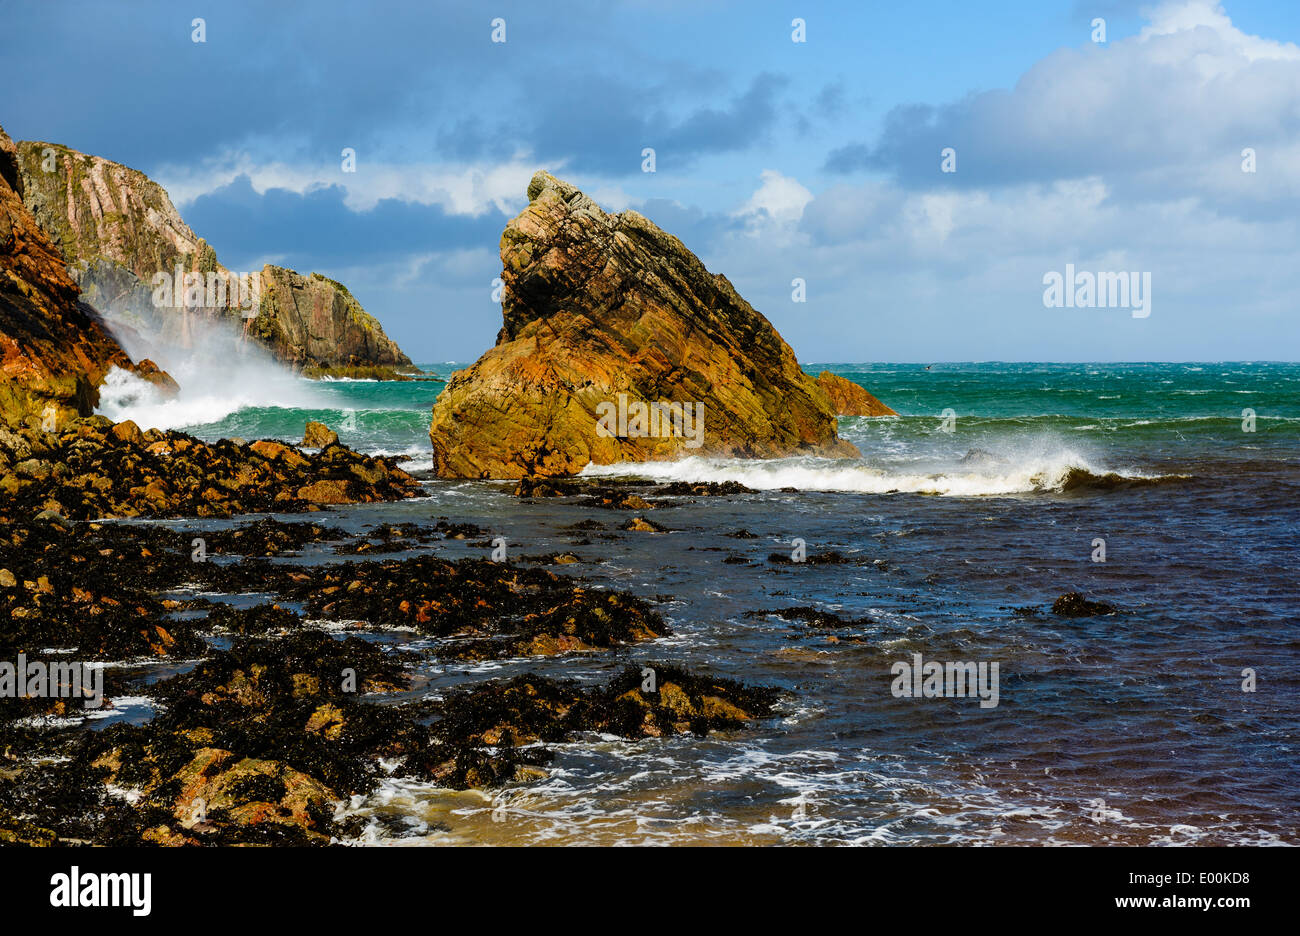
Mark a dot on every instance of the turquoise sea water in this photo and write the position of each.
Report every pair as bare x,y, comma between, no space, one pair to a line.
1111,415
1125,728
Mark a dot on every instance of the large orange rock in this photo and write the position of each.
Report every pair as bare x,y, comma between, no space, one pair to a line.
605,316
849,399
328,491
276,451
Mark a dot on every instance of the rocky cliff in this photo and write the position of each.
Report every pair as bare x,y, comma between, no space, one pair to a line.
618,345
117,229
54,351
314,321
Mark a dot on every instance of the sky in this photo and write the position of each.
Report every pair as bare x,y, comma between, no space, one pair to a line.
775,160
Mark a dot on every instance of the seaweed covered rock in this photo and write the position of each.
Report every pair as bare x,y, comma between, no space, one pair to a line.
68,591
658,699
281,721
269,537
605,318
259,743
256,744
479,729
1073,605
485,609
623,494
93,468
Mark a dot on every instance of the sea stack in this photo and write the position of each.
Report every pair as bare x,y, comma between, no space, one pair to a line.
619,346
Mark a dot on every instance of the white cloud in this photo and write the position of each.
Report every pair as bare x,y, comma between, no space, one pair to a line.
1165,113
1123,158
457,189
779,200
1230,47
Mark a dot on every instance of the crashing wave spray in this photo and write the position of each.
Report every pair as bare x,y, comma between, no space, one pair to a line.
1022,465
220,371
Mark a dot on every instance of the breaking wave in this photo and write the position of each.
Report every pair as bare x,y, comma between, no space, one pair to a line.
125,396
218,374
979,474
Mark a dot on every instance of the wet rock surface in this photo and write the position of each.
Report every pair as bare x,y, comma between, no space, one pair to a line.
827,557
623,494
94,468
1073,605
487,610
266,722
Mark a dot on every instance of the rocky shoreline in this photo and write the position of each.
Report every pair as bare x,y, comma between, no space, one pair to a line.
261,721
271,722
94,468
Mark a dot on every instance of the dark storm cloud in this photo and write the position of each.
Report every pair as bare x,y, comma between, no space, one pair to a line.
291,81
602,124
126,81
317,229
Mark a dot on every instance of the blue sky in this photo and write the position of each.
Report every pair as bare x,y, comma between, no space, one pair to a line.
774,159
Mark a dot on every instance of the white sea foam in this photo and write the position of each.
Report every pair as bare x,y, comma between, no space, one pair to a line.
421,459
218,374
1027,473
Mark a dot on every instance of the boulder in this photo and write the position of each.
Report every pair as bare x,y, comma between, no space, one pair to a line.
276,451
327,491
127,432
318,436
94,468
149,371
618,345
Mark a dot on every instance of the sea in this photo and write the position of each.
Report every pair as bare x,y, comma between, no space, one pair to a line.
1169,491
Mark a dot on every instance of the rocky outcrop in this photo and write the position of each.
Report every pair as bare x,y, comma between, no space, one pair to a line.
849,399
1073,605
95,209
54,350
96,468
314,321
279,720
618,345
318,436
117,230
